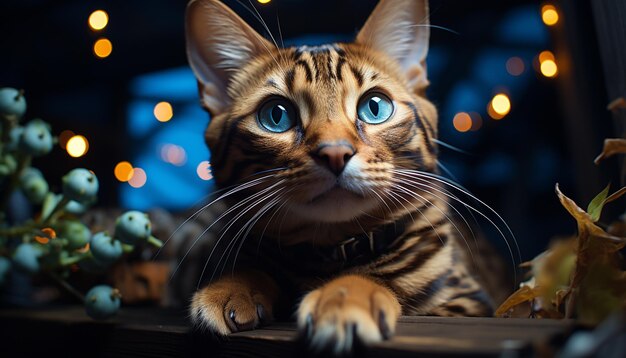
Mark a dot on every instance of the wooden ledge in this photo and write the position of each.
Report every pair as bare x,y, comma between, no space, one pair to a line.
165,333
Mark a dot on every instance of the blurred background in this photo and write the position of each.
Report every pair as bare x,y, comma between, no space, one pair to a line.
520,87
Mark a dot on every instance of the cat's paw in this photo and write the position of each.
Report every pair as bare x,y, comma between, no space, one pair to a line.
345,312
232,305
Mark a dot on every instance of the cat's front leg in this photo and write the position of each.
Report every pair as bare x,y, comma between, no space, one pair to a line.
347,310
235,303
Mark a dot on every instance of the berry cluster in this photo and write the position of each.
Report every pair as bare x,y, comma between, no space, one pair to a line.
56,239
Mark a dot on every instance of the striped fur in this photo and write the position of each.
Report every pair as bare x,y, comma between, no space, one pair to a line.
296,200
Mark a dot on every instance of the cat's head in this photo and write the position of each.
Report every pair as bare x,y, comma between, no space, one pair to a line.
326,127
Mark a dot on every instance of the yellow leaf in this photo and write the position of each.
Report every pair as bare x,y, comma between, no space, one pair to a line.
612,146
524,294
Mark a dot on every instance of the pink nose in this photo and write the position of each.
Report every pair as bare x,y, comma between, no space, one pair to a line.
334,156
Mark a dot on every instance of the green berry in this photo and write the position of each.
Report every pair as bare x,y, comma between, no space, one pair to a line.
76,208
35,188
5,267
104,248
132,226
80,185
28,173
26,258
76,233
102,302
36,139
12,102
8,165
14,138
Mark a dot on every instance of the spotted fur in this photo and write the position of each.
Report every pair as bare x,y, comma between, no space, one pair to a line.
285,198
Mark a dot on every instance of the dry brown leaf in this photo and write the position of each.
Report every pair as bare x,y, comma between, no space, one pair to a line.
579,276
612,146
524,294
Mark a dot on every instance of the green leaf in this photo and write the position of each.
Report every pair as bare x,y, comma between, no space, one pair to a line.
595,206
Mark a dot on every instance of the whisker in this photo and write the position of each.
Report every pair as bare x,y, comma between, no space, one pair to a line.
230,210
262,212
233,220
423,200
382,201
436,27
421,186
450,146
204,207
241,235
260,18
272,217
421,175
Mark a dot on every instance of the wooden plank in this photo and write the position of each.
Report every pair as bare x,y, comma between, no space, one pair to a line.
165,333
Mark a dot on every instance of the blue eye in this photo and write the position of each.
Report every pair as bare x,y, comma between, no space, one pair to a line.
375,108
277,115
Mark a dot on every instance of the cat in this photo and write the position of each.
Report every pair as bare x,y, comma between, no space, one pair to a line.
328,159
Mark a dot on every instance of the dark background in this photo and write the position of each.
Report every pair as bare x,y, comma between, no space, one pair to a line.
553,132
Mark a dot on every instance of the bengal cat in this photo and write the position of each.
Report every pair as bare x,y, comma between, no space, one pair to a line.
328,160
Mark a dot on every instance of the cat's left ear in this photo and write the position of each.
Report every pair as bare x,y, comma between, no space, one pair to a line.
219,43
401,29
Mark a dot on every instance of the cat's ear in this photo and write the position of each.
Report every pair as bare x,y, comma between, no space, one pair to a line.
400,29
218,44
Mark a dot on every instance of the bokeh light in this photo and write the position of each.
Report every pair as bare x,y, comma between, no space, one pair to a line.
546,55
477,121
77,146
98,20
163,111
515,66
204,170
102,48
549,15
64,137
547,64
462,122
139,178
173,154
263,1
549,68
123,171
499,106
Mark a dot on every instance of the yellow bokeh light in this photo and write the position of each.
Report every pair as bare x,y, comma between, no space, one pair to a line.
98,20
102,48
549,15
204,170
546,55
462,122
123,171
263,1
163,111
77,146
549,68
499,106
139,178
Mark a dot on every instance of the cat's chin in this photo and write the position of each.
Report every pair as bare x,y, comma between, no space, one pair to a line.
335,205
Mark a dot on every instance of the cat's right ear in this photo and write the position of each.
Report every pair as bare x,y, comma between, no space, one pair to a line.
218,44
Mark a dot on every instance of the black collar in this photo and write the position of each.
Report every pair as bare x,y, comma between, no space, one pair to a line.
357,249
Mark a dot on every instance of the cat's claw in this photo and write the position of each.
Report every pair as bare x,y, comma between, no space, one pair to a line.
346,313
232,305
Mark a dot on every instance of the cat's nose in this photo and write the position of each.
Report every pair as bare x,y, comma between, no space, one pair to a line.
334,156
